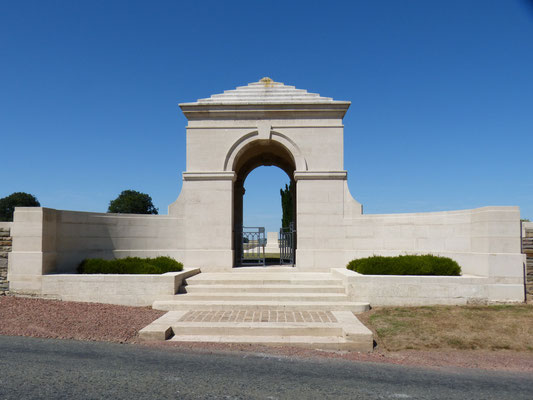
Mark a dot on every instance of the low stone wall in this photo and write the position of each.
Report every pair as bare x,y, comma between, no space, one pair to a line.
393,290
5,248
129,290
484,241
47,241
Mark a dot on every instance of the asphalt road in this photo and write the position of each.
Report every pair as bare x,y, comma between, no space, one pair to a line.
63,369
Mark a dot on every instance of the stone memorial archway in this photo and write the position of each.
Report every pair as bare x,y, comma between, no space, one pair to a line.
228,135
264,123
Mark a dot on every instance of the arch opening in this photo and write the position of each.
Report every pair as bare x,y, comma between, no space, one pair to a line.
254,155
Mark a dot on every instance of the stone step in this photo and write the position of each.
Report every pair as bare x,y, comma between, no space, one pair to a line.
319,342
268,272
233,282
256,305
264,282
263,306
339,330
257,280
307,297
214,288
257,329
259,97
246,90
259,94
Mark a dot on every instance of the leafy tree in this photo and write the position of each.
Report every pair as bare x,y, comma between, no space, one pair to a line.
17,199
132,202
287,205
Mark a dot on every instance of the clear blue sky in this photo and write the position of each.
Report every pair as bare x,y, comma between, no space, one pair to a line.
441,92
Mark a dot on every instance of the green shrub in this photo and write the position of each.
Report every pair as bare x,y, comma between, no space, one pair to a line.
132,202
405,265
17,199
166,264
129,265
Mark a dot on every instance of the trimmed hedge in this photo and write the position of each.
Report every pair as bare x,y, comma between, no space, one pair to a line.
129,265
406,265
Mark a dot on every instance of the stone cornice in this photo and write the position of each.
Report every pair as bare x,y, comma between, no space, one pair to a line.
209,176
198,111
320,175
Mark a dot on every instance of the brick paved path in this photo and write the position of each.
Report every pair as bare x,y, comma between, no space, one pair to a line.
258,316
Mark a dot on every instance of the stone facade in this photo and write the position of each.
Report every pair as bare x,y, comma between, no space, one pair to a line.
228,136
5,249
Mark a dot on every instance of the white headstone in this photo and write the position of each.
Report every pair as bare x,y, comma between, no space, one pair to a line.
272,245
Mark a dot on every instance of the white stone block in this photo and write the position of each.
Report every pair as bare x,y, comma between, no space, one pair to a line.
506,293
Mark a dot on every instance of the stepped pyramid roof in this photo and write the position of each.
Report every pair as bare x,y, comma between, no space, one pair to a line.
257,99
265,91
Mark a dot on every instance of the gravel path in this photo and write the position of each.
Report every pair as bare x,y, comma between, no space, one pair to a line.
21,316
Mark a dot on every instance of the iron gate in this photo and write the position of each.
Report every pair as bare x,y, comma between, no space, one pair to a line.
287,245
253,243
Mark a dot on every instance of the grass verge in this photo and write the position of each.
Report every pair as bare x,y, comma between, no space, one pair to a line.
496,327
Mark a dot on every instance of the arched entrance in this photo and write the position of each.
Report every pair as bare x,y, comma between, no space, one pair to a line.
263,123
255,154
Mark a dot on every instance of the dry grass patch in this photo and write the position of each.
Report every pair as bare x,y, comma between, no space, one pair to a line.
496,327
